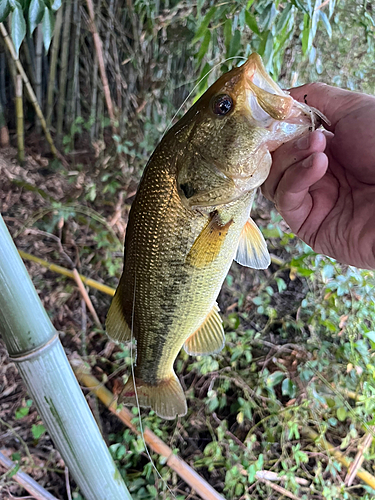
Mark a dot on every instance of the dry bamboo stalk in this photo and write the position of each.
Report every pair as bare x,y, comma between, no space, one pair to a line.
200,485
26,481
86,298
63,71
340,457
66,272
94,98
103,74
279,489
4,133
20,126
30,91
38,68
73,92
53,65
359,458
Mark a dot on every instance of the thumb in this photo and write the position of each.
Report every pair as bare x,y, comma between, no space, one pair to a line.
333,102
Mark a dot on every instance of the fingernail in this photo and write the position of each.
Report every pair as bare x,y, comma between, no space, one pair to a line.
307,162
303,142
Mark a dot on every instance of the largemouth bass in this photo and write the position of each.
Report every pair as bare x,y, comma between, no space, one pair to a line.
190,219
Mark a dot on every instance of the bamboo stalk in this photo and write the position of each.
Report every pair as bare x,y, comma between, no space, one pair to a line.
53,65
25,480
38,69
72,114
30,91
4,133
346,462
20,125
194,480
66,272
63,71
103,74
33,344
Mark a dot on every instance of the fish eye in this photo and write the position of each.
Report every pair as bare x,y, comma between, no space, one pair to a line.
222,104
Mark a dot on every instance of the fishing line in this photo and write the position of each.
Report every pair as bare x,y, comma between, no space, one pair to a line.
196,86
136,395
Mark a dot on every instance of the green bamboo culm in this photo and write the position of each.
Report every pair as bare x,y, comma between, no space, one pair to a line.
20,125
33,344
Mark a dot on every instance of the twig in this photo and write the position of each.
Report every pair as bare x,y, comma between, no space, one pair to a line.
279,489
360,473
188,474
228,433
25,480
358,460
272,476
86,298
67,484
67,272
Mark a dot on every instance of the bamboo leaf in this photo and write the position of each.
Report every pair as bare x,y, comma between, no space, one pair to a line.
283,19
327,24
18,27
332,5
48,25
235,44
36,11
262,45
268,50
299,5
56,4
251,22
204,46
227,34
305,33
4,10
201,31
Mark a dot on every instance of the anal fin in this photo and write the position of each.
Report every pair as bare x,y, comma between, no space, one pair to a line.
252,248
166,398
208,244
116,325
209,338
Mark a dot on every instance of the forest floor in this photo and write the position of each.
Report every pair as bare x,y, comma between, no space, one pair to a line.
76,217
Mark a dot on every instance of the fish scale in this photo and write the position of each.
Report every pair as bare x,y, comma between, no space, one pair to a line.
189,219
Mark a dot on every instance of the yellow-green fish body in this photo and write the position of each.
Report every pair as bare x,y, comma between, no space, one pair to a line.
189,220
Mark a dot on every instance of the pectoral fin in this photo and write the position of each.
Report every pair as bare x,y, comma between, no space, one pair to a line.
209,338
252,248
116,325
208,244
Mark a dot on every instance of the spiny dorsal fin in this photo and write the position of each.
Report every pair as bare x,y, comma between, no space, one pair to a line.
208,244
116,325
166,397
252,248
209,338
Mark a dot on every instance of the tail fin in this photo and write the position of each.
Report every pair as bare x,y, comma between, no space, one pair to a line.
166,398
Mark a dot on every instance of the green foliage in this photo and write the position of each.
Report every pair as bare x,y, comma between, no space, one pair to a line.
31,13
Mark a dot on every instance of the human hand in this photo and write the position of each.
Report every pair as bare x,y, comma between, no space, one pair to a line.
323,184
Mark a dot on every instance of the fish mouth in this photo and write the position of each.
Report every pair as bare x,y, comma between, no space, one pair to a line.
265,99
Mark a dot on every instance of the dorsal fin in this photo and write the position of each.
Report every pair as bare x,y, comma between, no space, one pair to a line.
252,248
209,338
